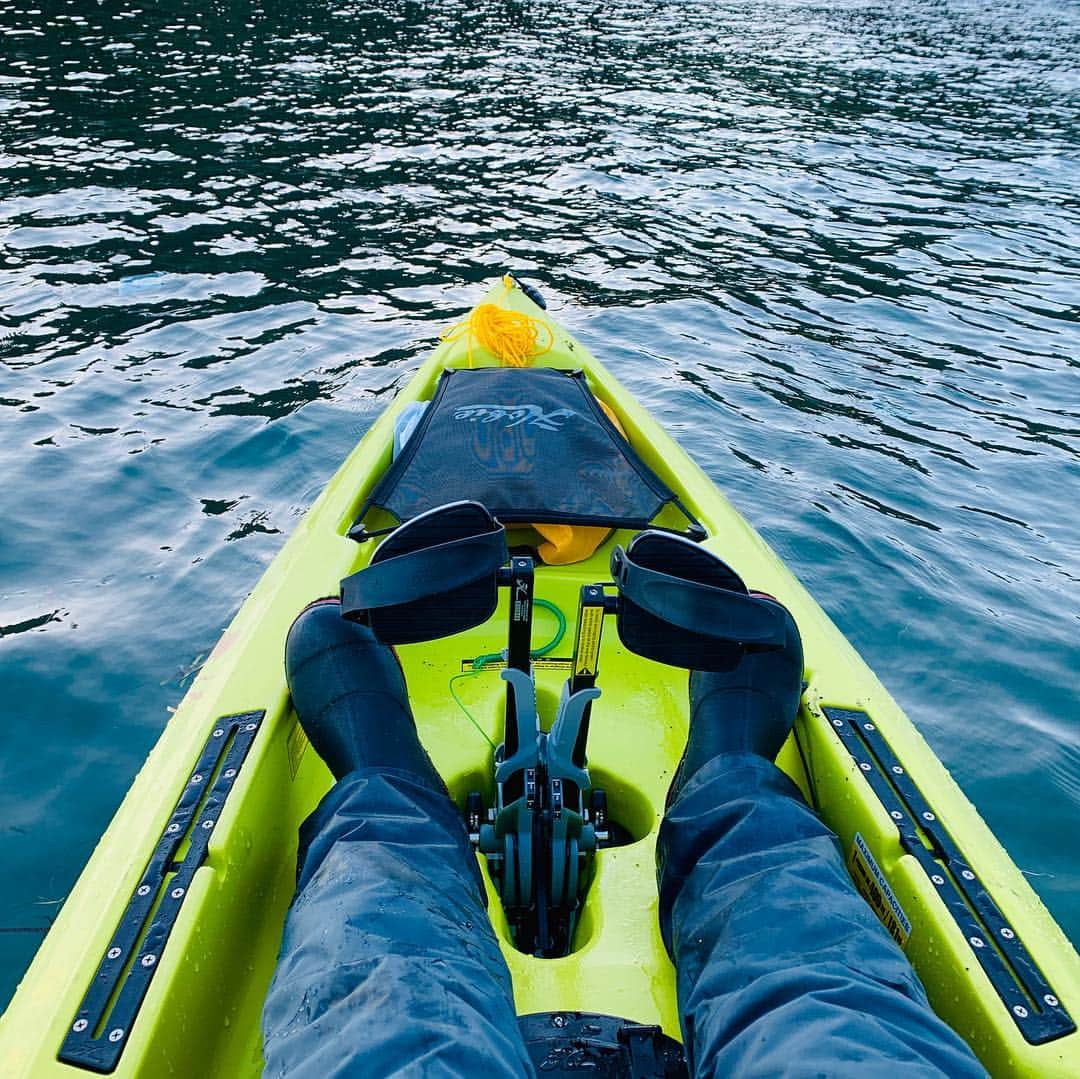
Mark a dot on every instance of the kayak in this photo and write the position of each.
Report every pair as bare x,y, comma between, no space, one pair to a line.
160,959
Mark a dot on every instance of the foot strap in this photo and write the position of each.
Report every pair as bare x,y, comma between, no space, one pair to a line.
699,608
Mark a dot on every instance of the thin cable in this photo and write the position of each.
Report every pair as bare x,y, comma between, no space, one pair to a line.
461,704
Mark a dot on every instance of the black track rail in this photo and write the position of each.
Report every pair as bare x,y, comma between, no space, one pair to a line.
102,1026
1001,953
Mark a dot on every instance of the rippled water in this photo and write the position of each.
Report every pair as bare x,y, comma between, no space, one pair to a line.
833,247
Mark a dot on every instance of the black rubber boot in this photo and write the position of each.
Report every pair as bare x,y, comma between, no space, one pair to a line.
350,695
749,709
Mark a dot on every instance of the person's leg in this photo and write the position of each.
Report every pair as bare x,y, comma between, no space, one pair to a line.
389,964
782,968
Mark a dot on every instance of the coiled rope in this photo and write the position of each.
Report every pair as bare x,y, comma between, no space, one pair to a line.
512,337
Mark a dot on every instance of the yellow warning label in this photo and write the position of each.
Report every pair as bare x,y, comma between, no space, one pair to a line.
587,648
297,743
875,890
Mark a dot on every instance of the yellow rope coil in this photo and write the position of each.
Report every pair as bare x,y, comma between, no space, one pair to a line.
512,337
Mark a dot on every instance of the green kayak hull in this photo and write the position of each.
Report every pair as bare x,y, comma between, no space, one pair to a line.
961,907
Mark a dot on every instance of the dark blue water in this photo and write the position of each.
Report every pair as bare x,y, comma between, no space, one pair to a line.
833,246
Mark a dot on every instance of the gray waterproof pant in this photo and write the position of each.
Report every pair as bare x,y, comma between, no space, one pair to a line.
389,964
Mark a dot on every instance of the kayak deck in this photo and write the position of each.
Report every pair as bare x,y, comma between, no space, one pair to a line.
203,999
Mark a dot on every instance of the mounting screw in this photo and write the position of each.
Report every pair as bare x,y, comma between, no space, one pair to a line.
143,889
928,816
897,770
79,1025
869,727
937,878
1051,1000
113,952
208,823
864,766
176,893
229,773
148,960
1020,1011
1007,933
967,874
218,732
977,942
172,829
896,815
197,777
249,727
116,1035
837,722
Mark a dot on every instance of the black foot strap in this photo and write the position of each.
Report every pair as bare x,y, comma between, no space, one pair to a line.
682,605
432,577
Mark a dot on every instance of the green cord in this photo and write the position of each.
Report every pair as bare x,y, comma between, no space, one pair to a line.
536,653
461,704
480,663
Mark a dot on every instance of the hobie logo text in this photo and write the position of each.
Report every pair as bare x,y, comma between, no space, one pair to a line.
515,415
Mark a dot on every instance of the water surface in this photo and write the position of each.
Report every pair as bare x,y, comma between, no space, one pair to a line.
832,246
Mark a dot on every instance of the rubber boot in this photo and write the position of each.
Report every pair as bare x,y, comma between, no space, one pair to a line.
749,709
350,696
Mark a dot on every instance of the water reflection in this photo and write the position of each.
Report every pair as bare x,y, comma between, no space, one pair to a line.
834,249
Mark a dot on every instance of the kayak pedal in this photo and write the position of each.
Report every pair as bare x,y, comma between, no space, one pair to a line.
102,1026
538,839
1019,983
